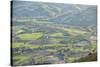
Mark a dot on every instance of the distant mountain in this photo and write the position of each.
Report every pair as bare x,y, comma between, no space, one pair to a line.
54,12
85,17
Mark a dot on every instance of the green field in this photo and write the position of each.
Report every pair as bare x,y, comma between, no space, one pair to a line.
32,36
